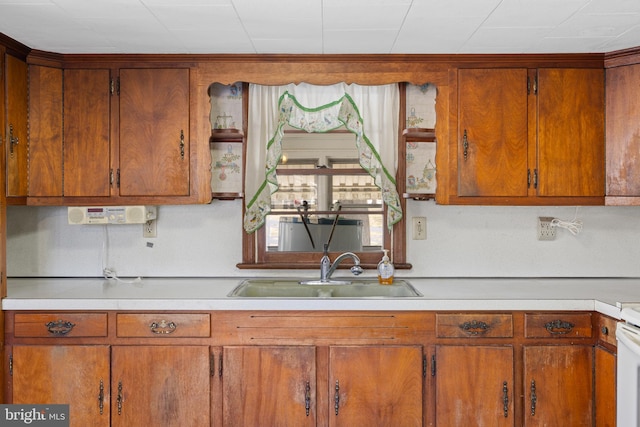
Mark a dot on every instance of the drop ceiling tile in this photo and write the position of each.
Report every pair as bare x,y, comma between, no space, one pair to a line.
81,9
363,41
594,25
358,15
193,16
287,19
181,3
624,41
502,40
571,44
612,6
214,39
525,13
288,45
427,10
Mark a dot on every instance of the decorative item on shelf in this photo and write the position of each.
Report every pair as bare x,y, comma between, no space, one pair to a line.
421,180
225,121
412,120
226,107
226,169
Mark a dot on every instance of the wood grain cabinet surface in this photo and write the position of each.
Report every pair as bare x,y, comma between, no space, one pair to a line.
15,134
315,368
529,137
110,136
623,135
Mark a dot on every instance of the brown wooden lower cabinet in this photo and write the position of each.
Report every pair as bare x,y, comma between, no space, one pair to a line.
474,385
605,388
366,385
164,385
118,386
322,368
77,375
558,383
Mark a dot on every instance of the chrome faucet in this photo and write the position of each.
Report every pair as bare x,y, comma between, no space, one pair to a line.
327,268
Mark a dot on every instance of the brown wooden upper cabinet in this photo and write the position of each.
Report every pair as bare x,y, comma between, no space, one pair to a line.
529,137
15,71
154,132
623,135
122,136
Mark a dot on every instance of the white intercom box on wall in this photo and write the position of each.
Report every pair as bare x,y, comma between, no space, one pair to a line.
111,214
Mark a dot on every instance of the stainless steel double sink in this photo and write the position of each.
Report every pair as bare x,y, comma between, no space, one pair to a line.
292,288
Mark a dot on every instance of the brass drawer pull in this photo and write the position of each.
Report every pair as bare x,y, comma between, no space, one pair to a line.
559,327
163,327
59,327
474,327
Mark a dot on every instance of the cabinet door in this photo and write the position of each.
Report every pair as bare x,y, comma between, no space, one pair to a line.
623,131
154,132
605,392
375,385
165,386
86,133
558,385
45,131
492,132
16,126
64,374
265,385
571,132
474,386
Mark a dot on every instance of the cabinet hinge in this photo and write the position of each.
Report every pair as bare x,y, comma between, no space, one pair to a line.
424,365
114,86
11,364
433,365
532,86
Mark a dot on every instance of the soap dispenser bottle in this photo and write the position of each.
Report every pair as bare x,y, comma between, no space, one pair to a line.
385,270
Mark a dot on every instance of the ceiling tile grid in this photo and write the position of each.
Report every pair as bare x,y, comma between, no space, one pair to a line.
323,26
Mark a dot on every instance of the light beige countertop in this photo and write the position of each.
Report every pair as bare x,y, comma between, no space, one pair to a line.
605,295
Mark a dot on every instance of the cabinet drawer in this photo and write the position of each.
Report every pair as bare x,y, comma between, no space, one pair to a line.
60,325
163,325
474,325
607,330
558,325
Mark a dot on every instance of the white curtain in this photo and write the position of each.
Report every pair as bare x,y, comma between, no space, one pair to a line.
370,112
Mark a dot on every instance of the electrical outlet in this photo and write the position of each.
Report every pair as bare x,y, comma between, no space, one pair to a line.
149,229
546,230
419,228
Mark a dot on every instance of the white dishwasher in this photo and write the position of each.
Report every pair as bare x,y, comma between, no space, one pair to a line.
628,375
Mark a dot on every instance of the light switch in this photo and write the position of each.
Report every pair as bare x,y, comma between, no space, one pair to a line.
419,228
